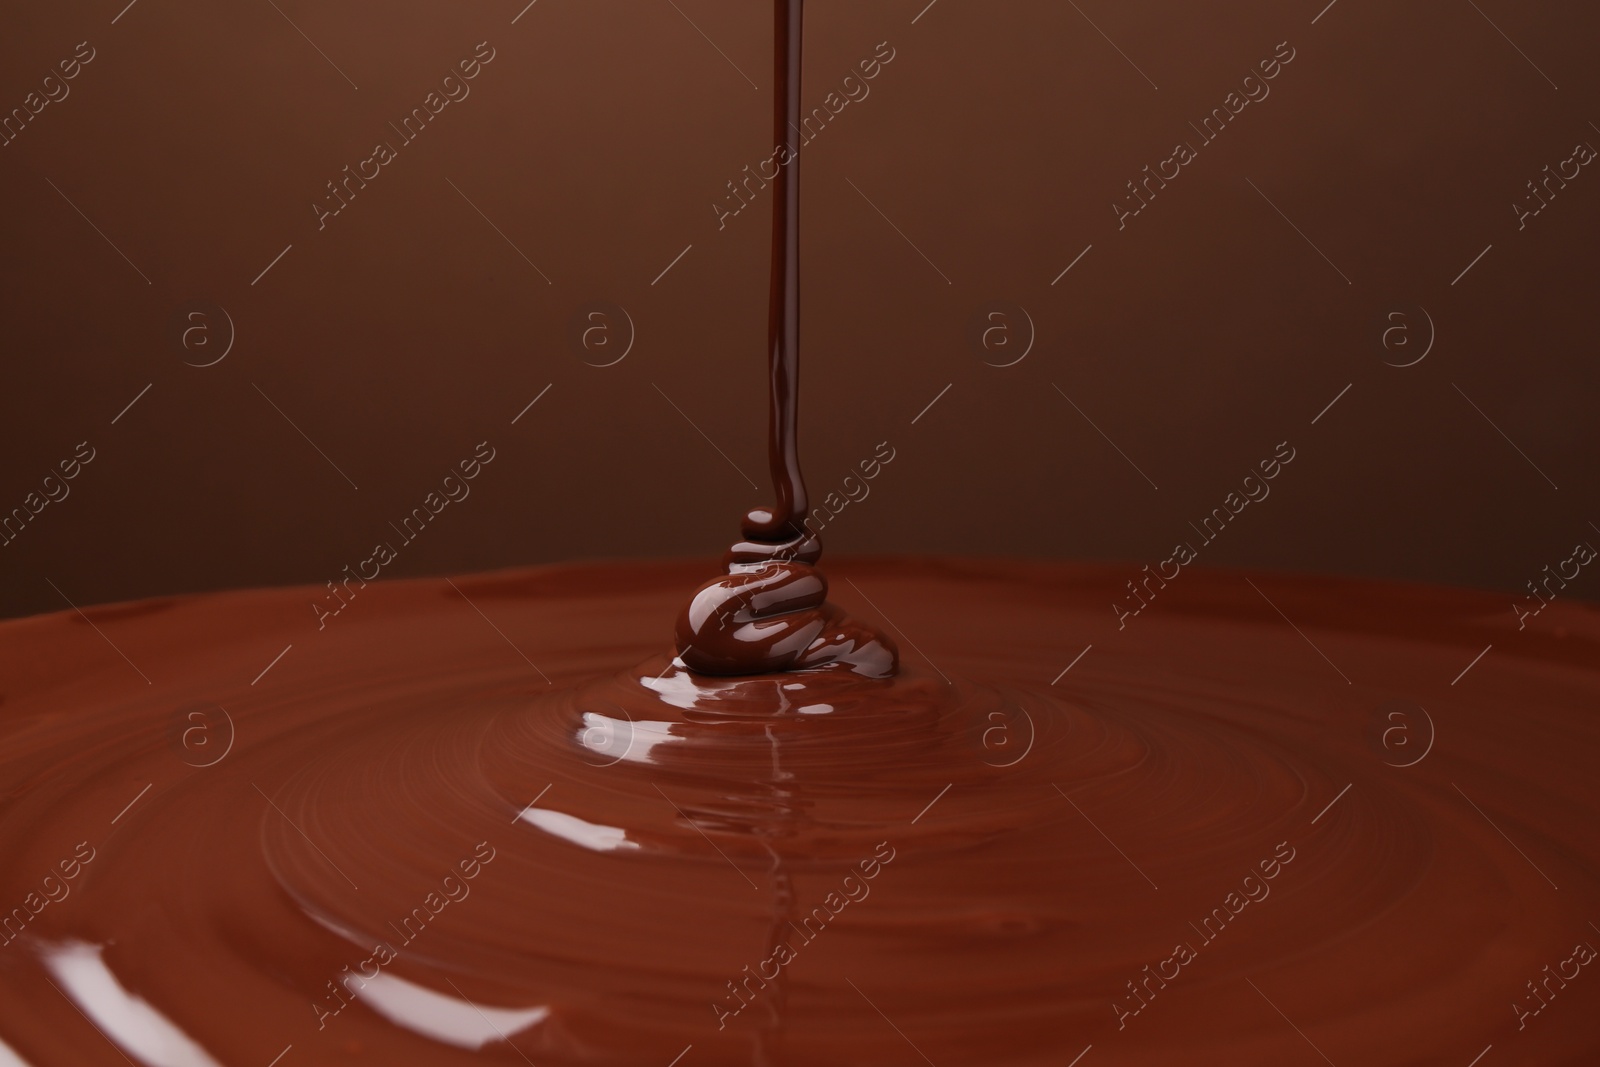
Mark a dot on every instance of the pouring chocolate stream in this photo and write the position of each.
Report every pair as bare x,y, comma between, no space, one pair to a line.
770,612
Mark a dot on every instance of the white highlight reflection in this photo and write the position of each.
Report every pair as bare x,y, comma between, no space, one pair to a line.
684,691
446,1019
9,1058
588,835
621,739
127,1020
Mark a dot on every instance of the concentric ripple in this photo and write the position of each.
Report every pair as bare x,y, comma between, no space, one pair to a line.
1197,844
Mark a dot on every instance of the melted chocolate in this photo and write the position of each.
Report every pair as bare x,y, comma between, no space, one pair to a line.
1192,847
640,859
769,613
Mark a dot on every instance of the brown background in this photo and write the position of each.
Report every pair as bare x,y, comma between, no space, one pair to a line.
408,330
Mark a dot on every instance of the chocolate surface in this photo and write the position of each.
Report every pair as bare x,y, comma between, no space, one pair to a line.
404,843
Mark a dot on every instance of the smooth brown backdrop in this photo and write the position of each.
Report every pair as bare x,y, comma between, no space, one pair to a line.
1217,324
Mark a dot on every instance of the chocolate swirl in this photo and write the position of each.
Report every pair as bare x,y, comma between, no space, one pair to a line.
770,612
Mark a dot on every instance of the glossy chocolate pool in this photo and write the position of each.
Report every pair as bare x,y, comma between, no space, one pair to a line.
489,821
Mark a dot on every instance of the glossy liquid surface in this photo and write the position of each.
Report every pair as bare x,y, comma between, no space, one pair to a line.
401,845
